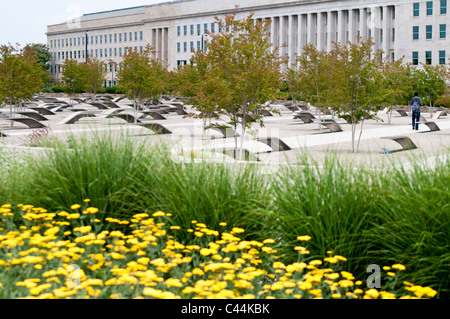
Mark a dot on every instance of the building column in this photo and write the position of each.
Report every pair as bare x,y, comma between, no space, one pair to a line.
301,32
377,28
331,31
272,31
363,27
283,31
340,27
154,42
309,29
292,47
321,45
387,31
351,26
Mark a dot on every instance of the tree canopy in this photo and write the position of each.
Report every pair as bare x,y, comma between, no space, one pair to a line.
236,74
141,75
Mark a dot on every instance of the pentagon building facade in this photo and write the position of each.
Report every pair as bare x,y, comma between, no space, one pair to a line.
417,30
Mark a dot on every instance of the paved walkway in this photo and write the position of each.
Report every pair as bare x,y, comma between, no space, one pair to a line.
302,138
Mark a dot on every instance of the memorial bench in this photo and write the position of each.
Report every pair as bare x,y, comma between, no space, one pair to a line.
404,141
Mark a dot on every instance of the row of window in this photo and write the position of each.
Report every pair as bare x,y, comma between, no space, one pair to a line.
192,47
97,53
429,57
429,32
197,30
98,39
429,8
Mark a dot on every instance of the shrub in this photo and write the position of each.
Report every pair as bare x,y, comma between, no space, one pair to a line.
57,89
445,101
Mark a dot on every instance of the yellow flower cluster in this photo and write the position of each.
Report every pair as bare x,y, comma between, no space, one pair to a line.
60,256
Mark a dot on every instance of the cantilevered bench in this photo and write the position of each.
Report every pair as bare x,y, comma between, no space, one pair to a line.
100,106
129,117
111,104
431,125
155,127
275,143
180,111
155,115
439,114
34,115
305,118
42,110
402,113
72,119
301,115
404,141
332,126
225,130
31,123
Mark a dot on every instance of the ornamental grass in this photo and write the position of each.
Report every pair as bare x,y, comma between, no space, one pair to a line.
77,254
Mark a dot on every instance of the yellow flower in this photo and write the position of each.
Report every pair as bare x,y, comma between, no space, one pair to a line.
159,214
391,274
237,230
371,294
197,271
346,283
91,210
87,200
75,206
223,224
83,230
347,275
336,296
37,290
304,238
175,227
115,255
173,283
398,267
315,262
333,276
387,295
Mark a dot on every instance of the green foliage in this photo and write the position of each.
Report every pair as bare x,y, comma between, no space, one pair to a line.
237,74
43,55
75,75
382,217
445,102
141,75
429,82
96,75
113,90
56,89
351,80
20,74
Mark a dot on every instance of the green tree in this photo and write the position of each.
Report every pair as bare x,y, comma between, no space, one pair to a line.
355,92
141,75
429,81
396,83
243,71
43,55
96,72
20,74
192,82
310,76
75,76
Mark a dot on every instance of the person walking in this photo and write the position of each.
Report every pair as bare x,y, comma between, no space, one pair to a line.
416,103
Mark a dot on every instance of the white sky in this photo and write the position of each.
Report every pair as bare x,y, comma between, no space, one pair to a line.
25,21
